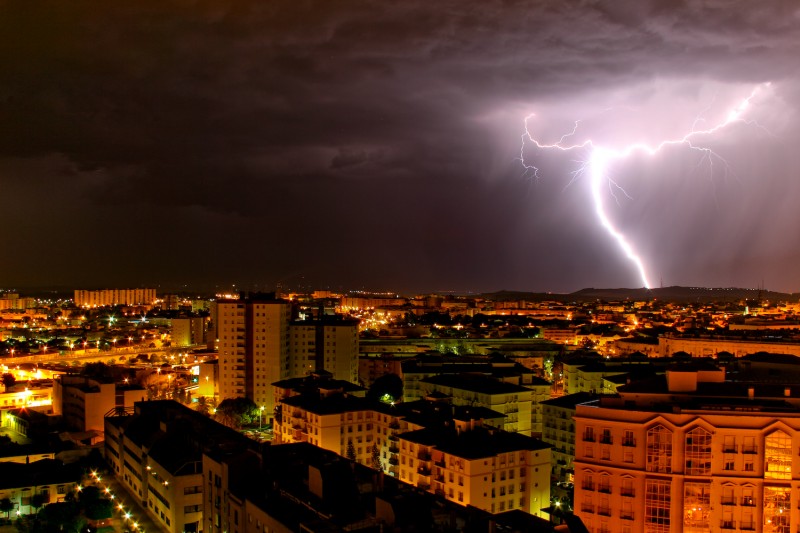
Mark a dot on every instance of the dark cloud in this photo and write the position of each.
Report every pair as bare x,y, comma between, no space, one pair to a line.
367,143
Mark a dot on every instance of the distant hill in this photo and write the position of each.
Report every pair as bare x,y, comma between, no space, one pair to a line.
669,294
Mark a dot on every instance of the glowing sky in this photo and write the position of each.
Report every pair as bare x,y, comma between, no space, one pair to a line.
375,144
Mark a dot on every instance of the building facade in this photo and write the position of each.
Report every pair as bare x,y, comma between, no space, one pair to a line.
253,335
328,343
260,345
109,297
84,402
690,452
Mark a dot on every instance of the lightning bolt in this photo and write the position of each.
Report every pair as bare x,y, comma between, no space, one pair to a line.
600,158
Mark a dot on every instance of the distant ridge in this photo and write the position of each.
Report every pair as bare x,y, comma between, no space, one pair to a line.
669,294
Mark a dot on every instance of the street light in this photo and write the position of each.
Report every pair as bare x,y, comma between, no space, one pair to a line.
261,418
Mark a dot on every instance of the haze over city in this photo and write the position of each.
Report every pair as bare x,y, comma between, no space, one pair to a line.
377,145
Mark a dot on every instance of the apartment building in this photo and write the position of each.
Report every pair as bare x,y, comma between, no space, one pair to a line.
156,453
690,451
514,401
83,402
417,442
259,345
253,334
328,343
50,479
188,331
109,297
559,432
494,471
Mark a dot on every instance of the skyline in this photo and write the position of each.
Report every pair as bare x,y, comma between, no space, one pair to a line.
377,146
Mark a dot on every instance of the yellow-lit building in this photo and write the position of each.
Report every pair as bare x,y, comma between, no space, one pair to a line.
495,471
260,345
109,297
188,331
34,394
423,444
48,478
328,343
83,402
559,431
690,452
156,453
253,335
707,346
514,401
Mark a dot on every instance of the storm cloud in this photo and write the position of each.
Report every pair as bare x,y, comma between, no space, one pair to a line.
376,144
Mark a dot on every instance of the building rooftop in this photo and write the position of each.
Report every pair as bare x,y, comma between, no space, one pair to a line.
475,443
571,400
332,404
474,383
37,473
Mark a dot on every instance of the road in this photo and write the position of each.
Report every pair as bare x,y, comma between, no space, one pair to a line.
132,511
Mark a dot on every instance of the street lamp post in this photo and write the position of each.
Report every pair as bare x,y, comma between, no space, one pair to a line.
261,419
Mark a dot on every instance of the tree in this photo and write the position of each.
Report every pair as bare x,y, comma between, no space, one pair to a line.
237,412
38,500
351,450
8,381
99,371
202,406
6,506
376,457
387,388
62,516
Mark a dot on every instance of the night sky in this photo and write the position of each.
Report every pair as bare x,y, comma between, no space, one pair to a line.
376,144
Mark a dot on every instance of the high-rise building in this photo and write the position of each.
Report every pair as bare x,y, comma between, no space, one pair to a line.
259,345
253,334
328,343
187,331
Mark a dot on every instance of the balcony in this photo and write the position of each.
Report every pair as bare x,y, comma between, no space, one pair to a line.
439,478
606,439
750,449
605,489
424,456
439,463
588,486
588,437
727,524
730,448
629,442
748,502
394,449
393,437
587,508
627,492
604,511
626,515
727,500
424,471
394,461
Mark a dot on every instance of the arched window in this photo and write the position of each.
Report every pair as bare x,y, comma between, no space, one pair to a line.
697,452
659,449
778,456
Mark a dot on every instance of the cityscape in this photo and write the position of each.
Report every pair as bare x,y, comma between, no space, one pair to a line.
600,410
364,266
